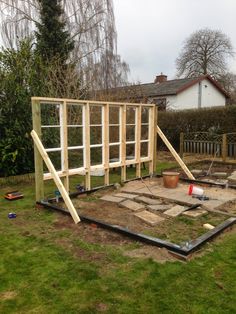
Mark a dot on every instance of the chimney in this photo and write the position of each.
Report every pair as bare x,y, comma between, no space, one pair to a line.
160,78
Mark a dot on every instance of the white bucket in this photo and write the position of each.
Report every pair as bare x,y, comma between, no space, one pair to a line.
195,190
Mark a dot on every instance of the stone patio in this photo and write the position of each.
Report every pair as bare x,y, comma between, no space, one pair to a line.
149,199
218,196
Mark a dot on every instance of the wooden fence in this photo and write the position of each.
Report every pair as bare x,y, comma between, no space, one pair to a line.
205,143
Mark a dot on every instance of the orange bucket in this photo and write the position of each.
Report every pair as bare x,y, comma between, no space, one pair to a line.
170,179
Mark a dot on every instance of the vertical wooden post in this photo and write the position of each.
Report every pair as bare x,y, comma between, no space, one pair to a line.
123,143
64,145
181,145
155,121
87,161
137,140
38,161
106,142
224,147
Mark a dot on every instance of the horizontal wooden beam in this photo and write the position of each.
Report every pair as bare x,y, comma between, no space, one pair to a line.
83,102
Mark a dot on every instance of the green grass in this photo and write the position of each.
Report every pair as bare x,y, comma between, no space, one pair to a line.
49,269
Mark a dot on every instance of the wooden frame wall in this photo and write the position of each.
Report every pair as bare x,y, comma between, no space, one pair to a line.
86,146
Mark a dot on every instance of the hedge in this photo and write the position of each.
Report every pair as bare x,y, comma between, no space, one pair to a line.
218,120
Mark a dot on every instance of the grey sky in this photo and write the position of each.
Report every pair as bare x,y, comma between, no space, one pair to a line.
151,32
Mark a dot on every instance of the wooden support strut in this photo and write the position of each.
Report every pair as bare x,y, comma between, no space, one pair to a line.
174,153
55,176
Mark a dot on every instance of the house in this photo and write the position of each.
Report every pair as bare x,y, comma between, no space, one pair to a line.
178,94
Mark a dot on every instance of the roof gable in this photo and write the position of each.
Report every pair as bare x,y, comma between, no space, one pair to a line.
167,88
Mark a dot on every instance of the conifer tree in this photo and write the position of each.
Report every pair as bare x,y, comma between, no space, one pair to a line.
53,40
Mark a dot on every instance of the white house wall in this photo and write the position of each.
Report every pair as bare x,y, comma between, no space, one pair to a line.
189,98
211,96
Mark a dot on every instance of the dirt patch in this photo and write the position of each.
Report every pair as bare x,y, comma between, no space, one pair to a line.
229,208
209,168
8,295
176,230
91,233
160,255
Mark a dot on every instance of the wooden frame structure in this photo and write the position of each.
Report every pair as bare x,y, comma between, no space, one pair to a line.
86,112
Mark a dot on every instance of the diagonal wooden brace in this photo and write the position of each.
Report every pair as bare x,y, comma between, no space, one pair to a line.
174,153
55,177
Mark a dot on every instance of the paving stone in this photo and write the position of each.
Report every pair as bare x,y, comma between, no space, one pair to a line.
196,171
132,205
160,207
126,195
194,213
175,211
149,218
147,200
110,198
219,174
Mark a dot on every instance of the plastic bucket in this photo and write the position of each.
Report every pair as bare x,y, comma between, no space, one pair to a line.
170,179
195,190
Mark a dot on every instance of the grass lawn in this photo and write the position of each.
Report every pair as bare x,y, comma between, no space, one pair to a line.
47,266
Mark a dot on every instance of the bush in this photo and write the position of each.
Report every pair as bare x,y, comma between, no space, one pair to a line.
19,79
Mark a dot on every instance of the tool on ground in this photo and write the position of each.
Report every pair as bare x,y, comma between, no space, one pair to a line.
146,186
13,195
80,188
209,170
201,197
57,194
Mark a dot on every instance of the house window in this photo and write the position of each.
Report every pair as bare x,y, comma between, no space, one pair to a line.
160,102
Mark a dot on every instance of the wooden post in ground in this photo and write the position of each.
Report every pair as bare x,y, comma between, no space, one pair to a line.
106,142
154,157
174,153
224,147
38,161
55,176
137,141
64,144
181,145
123,143
87,161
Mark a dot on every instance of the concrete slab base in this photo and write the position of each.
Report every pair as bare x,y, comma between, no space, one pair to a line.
148,200
180,195
175,211
219,174
125,195
196,171
195,213
160,207
113,199
134,206
149,218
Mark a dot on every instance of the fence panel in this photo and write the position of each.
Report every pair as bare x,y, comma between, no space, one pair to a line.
205,143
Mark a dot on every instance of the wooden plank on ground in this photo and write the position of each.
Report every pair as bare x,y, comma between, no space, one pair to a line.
55,176
174,153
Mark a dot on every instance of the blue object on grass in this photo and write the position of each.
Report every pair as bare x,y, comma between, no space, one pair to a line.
11,215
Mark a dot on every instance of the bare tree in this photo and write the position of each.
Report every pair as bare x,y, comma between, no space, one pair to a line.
204,52
91,25
228,81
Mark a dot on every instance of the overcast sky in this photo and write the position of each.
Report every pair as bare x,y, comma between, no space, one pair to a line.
151,32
